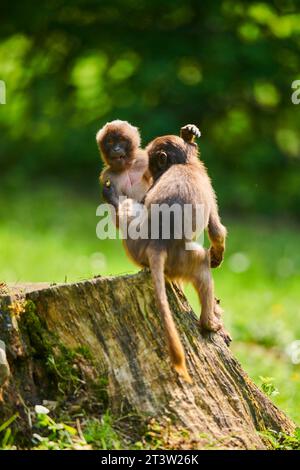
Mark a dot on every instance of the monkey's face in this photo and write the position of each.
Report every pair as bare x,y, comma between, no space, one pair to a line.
118,141
118,150
164,152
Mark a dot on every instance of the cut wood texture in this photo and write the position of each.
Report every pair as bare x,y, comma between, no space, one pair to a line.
75,340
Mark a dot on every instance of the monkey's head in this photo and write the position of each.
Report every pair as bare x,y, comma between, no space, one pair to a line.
167,151
117,142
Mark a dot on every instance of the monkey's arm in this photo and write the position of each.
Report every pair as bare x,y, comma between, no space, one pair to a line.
111,196
105,175
189,133
108,177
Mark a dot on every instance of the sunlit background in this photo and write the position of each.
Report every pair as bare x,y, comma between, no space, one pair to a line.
226,66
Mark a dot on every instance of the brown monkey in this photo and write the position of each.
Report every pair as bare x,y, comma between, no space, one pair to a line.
179,177
126,162
216,231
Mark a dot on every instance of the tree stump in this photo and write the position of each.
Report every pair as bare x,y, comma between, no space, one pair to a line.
103,337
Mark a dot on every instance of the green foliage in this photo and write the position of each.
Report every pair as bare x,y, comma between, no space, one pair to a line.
282,441
6,435
87,433
268,387
64,432
58,435
101,434
225,65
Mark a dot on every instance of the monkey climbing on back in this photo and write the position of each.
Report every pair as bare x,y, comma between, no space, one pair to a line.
179,177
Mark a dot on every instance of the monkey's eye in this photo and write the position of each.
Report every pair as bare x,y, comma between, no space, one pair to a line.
109,141
162,158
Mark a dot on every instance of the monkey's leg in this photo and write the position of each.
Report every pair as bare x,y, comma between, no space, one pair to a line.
204,286
211,311
217,235
193,265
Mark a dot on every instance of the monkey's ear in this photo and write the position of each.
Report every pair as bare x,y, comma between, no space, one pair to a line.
162,158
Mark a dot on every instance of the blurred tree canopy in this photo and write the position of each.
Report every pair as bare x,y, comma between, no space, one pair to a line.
225,65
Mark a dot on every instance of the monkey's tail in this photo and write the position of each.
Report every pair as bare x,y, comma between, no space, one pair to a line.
156,264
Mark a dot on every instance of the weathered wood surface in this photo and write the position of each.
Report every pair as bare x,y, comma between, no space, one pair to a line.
116,321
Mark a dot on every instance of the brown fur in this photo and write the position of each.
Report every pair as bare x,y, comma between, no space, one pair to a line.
179,177
128,172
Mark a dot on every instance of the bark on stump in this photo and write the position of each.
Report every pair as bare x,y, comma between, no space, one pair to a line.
111,328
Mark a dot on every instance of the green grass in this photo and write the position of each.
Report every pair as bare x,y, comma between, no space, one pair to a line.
49,235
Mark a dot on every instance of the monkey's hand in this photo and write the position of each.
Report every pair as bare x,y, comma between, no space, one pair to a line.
110,194
216,257
189,133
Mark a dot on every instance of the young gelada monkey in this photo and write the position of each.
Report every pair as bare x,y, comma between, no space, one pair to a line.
126,163
179,177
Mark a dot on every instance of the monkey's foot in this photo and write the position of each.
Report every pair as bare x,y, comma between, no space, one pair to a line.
215,327
216,257
225,335
210,324
189,132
